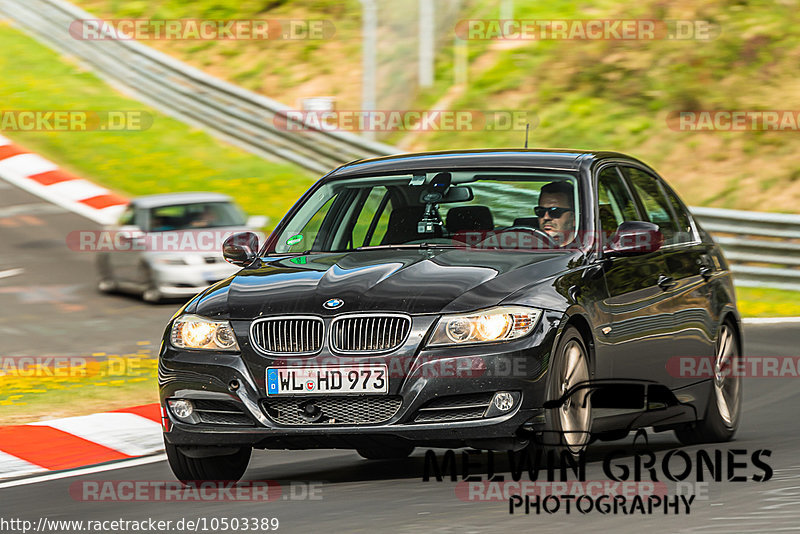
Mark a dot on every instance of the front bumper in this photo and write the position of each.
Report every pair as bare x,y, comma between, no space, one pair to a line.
188,280
427,376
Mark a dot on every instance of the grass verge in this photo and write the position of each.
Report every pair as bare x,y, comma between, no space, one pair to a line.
766,302
88,385
169,156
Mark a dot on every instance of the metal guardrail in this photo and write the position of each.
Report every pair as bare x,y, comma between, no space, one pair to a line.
763,248
241,117
756,244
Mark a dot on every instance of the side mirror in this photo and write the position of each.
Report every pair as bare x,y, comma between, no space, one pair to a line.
240,249
131,234
634,237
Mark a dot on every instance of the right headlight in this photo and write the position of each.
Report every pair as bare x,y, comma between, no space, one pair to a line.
501,323
196,332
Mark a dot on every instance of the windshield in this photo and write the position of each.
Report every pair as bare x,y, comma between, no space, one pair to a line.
467,209
193,216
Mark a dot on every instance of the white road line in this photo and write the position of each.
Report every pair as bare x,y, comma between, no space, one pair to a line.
11,272
127,433
85,471
770,320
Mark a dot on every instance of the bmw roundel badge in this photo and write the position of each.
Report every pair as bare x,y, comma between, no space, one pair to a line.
332,304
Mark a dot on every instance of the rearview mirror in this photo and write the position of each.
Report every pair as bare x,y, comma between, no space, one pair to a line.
457,193
240,249
634,237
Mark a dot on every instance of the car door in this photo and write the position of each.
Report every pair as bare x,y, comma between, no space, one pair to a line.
127,260
690,266
117,243
633,342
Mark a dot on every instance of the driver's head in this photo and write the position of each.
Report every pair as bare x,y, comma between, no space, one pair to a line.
556,211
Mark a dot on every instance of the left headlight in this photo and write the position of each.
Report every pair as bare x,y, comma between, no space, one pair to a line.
196,332
502,323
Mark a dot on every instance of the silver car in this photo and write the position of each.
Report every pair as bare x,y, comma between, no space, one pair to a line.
169,245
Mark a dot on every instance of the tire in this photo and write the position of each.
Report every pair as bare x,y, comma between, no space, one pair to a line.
228,468
567,428
386,453
724,408
105,276
151,294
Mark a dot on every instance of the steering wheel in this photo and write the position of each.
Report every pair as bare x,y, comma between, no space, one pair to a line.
549,242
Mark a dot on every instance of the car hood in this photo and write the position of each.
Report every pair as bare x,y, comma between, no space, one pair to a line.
410,281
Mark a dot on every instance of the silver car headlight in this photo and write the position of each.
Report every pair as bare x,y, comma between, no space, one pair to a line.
196,332
501,323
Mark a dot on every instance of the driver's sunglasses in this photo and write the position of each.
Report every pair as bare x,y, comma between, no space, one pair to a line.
554,211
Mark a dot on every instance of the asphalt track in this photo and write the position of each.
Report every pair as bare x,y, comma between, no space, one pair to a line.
51,308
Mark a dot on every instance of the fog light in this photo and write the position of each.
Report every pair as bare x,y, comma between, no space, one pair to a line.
503,401
183,409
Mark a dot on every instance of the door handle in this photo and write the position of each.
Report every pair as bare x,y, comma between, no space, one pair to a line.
666,282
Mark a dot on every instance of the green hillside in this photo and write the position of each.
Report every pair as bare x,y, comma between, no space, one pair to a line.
590,94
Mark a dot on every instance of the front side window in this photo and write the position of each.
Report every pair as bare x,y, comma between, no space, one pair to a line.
471,209
614,202
655,203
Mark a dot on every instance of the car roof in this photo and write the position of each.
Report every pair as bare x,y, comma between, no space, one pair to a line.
170,199
554,159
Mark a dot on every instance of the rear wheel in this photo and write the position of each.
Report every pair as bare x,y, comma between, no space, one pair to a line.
725,399
386,453
229,467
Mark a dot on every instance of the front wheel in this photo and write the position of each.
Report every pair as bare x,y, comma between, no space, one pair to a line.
105,276
151,293
725,401
567,427
229,467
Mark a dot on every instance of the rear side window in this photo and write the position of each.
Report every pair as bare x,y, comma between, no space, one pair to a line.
685,233
657,207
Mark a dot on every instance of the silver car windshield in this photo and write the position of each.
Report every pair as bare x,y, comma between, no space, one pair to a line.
192,216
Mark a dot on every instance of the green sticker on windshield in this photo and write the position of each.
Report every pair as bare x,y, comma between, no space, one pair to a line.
295,239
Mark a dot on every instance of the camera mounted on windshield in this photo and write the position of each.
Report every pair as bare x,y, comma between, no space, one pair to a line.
431,196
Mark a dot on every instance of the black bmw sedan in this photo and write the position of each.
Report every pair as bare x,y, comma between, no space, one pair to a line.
495,299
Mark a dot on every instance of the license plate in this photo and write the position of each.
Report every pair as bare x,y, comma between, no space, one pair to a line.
339,380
